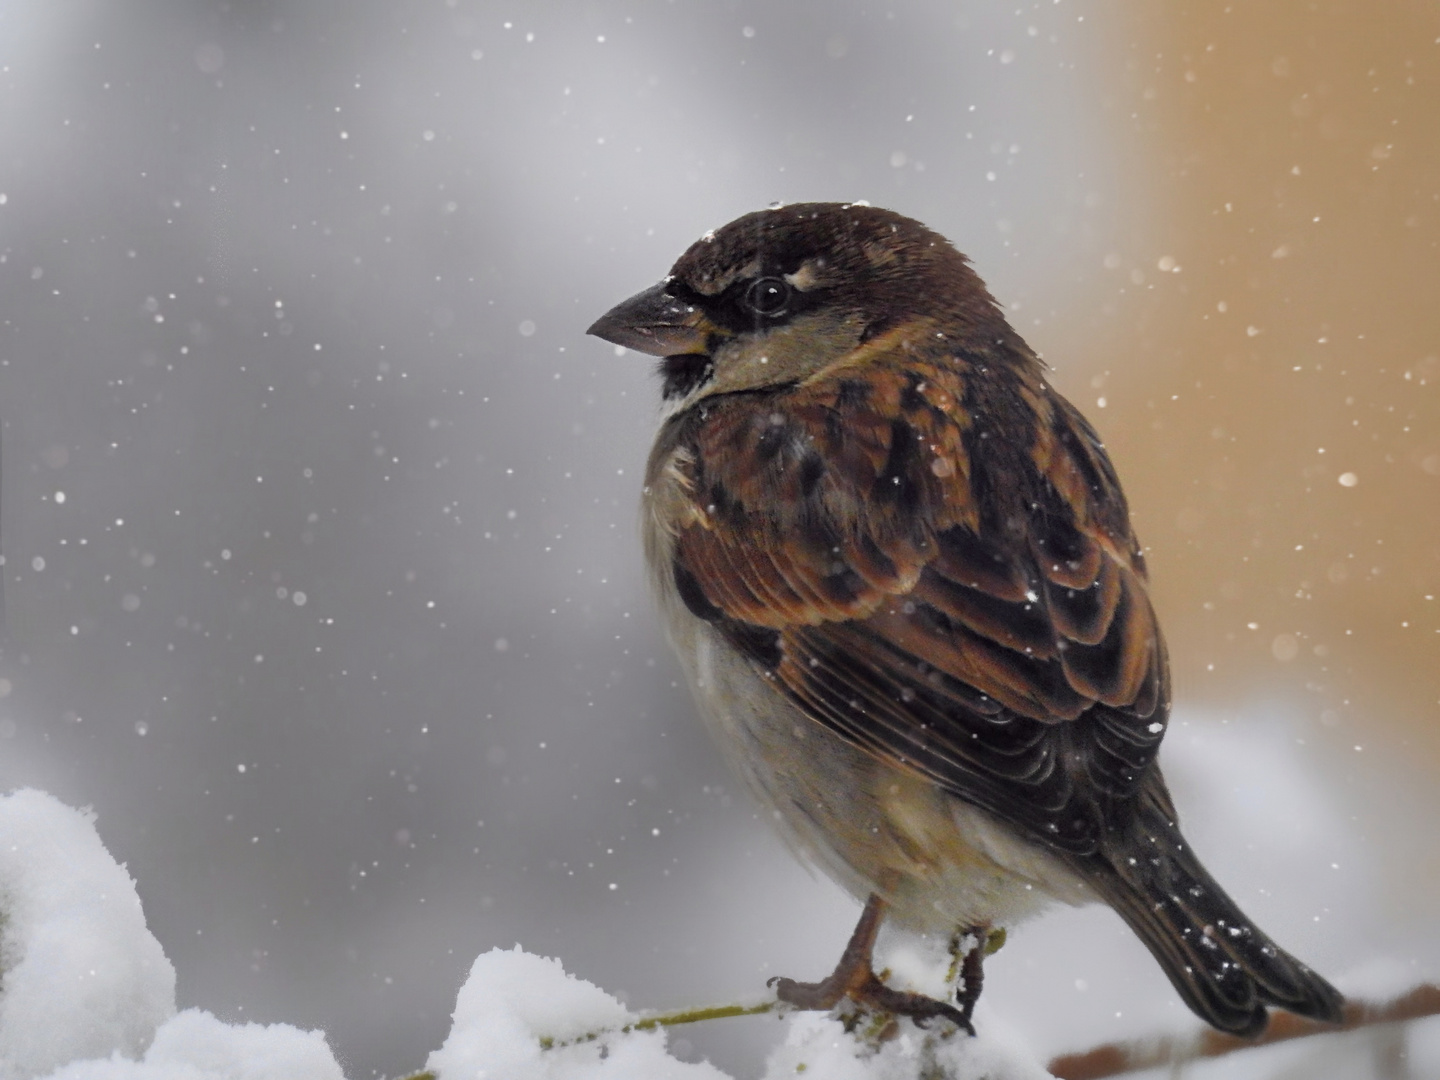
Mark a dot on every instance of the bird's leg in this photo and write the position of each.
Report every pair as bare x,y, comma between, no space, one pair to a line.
855,978
850,973
972,971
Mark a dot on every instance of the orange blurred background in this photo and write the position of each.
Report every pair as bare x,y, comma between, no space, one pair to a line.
1274,325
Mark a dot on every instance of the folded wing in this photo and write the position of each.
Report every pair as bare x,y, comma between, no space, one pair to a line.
951,585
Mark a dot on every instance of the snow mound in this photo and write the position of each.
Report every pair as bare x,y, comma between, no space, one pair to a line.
84,986
513,1000
521,1017
818,1045
196,1046
80,974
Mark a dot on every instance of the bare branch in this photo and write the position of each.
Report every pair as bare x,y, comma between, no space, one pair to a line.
1114,1059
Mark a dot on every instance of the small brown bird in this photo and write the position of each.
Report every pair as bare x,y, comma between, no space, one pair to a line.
899,572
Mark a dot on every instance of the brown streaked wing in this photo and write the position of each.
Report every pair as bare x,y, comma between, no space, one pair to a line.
1025,673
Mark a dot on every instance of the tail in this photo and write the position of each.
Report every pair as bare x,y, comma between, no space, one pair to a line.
1222,965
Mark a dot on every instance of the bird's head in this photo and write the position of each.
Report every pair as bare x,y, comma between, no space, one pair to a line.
777,295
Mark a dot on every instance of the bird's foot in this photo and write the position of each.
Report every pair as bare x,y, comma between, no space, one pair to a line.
865,989
825,994
877,996
855,979
976,942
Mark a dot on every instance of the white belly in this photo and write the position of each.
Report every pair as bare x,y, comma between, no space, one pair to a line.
872,826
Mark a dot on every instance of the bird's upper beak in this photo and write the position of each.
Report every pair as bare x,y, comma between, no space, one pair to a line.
655,322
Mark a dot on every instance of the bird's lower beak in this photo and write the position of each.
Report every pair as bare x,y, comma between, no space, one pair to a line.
655,322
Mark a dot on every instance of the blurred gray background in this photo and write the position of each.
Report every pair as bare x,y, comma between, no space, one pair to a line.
322,582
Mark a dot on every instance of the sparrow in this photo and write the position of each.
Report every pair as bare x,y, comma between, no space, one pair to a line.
899,572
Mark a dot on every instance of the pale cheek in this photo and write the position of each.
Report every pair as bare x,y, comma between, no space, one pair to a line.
785,354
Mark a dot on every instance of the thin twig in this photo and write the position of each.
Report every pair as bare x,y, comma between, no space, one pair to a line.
1114,1059
694,1016
666,1019
649,1023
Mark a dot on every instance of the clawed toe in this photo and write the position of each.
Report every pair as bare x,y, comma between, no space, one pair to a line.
869,993
917,1007
855,979
822,995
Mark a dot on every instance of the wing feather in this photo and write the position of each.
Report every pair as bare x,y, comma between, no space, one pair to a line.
959,596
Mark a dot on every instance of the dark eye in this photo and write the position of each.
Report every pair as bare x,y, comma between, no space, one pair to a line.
768,296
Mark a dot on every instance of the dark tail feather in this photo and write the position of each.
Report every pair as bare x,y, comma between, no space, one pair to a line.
1223,965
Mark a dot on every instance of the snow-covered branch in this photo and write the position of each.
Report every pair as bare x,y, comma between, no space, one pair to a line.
86,993
1116,1059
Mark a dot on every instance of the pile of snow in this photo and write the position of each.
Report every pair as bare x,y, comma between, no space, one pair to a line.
86,992
196,1046
514,1005
82,976
818,1045
521,1017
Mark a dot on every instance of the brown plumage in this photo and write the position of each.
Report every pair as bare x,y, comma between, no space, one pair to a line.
899,570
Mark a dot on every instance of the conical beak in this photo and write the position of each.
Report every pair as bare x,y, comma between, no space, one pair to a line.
655,322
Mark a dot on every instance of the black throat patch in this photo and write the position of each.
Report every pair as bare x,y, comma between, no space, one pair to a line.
682,374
